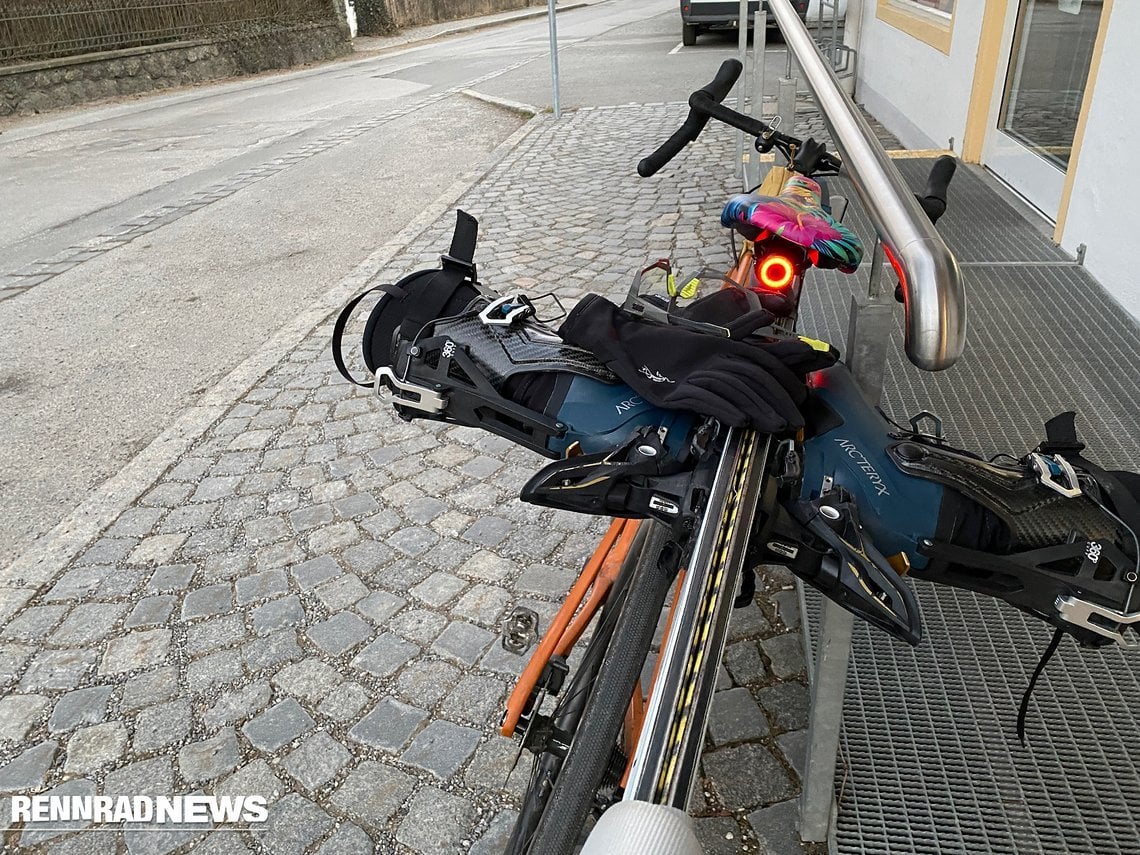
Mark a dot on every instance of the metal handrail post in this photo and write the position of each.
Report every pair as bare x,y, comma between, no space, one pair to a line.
935,338
742,47
759,57
555,84
872,317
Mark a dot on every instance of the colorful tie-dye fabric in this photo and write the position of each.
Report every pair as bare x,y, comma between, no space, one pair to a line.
796,216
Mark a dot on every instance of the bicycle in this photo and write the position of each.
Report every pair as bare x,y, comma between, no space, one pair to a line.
851,503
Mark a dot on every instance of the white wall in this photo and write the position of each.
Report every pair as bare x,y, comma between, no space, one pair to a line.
922,96
918,92
1102,213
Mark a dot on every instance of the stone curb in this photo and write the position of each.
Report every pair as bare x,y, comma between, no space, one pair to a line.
47,556
519,107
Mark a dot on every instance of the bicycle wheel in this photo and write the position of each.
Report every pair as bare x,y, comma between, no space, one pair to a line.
562,793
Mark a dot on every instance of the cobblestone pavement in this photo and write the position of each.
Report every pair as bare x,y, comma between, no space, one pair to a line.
306,604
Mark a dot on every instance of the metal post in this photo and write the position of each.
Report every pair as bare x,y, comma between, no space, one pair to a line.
935,337
786,104
834,32
786,97
553,57
742,30
872,316
827,688
759,55
853,24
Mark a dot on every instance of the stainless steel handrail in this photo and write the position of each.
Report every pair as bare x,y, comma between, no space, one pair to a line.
931,280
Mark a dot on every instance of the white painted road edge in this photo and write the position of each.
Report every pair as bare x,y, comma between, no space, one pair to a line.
48,555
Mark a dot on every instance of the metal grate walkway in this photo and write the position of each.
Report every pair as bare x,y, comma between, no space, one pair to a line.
931,763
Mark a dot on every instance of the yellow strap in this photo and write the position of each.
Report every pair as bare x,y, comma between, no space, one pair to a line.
816,344
688,290
775,180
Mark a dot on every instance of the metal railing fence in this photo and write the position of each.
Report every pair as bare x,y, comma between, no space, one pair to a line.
47,29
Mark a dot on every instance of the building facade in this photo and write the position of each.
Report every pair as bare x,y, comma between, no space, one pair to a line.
1040,92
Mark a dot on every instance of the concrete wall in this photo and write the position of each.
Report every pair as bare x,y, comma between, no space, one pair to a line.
1107,184
40,86
919,93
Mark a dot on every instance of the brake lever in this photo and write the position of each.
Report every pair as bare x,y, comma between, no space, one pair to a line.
810,158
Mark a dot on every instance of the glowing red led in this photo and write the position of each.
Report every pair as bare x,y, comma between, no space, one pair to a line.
775,272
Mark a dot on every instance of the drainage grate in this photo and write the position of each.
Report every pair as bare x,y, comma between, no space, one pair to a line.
979,224
931,763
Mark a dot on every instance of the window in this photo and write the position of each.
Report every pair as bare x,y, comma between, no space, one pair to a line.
940,8
929,21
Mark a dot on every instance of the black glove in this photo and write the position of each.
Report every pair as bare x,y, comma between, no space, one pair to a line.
679,369
731,309
796,354
742,316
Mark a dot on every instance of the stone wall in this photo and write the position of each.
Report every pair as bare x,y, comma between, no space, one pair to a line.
381,17
40,86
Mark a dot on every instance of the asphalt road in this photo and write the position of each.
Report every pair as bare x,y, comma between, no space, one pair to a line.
269,190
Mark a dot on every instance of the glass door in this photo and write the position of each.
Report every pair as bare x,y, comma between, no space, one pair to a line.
1051,52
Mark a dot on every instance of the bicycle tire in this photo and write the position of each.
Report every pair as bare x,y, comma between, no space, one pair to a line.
568,711
587,760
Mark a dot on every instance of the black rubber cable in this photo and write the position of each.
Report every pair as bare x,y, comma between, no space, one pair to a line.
1045,657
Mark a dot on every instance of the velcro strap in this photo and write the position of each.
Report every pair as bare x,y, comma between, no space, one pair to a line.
462,252
1061,435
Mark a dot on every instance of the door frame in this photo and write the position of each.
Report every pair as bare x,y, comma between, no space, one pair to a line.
995,45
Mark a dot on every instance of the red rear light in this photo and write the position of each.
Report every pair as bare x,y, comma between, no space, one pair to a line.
775,272
897,266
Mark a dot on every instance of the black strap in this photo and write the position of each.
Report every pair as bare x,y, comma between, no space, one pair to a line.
458,266
1061,433
1125,504
462,252
1024,710
338,334
747,589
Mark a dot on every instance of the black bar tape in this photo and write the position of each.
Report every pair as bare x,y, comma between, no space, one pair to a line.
716,91
933,198
940,176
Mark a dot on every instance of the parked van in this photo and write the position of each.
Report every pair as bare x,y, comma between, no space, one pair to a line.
700,16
